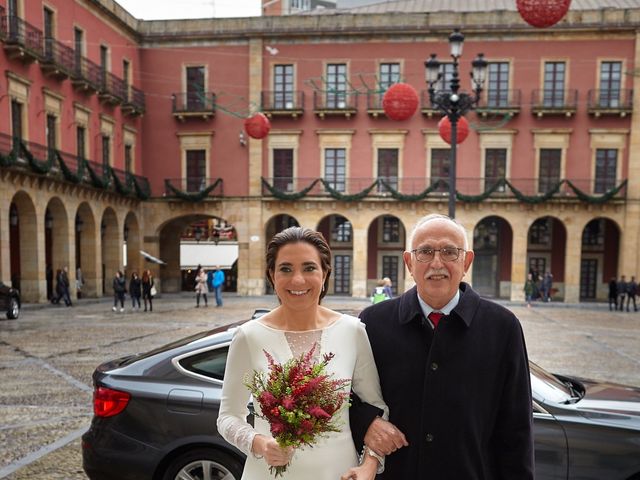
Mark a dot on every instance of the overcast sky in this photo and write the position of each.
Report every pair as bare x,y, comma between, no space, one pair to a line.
173,9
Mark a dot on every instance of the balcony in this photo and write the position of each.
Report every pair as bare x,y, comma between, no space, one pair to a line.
113,90
426,108
58,60
374,104
87,76
282,104
499,103
554,102
335,104
610,102
135,103
193,188
194,104
22,40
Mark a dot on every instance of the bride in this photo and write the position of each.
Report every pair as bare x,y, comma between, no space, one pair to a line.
298,267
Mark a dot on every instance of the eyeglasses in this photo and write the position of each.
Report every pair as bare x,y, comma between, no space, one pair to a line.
447,254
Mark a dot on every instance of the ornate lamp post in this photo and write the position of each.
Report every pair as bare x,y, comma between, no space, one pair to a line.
452,103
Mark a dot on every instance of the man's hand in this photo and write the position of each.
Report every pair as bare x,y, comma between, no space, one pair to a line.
384,438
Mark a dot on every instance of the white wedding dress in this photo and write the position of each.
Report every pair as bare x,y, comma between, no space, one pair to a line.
331,456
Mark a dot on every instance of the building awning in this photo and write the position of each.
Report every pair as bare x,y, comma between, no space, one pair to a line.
209,255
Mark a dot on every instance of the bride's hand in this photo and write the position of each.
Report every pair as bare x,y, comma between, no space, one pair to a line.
273,454
366,471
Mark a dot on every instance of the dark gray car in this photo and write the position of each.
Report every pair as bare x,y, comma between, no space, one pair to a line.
9,301
155,419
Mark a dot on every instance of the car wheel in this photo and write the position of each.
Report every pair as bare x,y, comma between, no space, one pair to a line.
204,463
13,312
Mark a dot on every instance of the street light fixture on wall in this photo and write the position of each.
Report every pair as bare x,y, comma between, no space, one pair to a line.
451,102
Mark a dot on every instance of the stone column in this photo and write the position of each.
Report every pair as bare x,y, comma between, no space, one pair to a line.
251,255
5,254
572,258
519,257
359,281
167,248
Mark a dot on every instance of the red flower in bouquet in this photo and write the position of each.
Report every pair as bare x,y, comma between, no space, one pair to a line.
298,399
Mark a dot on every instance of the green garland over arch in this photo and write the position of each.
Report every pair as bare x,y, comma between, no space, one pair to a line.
142,191
40,167
348,198
98,181
193,197
483,196
8,160
596,199
66,171
279,194
123,189
415,197
534,199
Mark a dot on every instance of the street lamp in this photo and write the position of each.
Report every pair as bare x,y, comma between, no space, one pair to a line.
452,103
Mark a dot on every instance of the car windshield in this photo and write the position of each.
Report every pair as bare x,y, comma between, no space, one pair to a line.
170,346
547,387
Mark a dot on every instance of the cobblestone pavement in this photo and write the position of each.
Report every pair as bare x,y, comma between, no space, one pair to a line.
47,358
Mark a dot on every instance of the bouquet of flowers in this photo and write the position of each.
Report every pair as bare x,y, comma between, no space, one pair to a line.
298,399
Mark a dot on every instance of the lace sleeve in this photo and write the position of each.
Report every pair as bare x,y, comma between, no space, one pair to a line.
232,423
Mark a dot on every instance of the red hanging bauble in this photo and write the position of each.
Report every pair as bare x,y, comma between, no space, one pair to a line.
257,126
400,101
444,127
542,13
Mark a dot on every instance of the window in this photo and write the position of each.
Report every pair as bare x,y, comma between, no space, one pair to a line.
495,166
446,74
12,6
283,169
390,229
51,131
125,75
210,364
610,84
389,74
593,234
336,83
341,231
48,32
606,165
390,265
81,135
78,42
549,175
283,87
388,167
128,159
498,85
553,95
16,119
196,98
440,158
300,4
106,150
196,170
335,168
540,232
104,62
342,268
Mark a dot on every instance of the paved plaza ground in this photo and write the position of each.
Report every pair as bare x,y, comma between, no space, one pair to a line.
48,355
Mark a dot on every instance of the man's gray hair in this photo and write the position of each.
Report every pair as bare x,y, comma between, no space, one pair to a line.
439,216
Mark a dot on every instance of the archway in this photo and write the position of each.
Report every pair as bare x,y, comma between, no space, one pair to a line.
492,246
132,260
276,225
23,241
599,258
546,252
386,240
87,261
111,248
56,242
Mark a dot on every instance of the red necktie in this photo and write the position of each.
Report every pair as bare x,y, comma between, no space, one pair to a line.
435,318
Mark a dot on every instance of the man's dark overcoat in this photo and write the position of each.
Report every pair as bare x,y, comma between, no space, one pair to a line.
461,394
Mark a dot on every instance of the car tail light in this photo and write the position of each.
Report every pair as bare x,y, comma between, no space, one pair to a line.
108,402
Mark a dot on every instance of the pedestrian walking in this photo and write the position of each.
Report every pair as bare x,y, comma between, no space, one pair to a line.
387,287
135,290
218,282
547,282
379,294
79,282
119,289
62,287
613,294
529,289
632,291
201,287
148,287
622,292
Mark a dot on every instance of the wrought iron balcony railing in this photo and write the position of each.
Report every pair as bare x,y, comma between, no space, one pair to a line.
554,102
275,103
499,102
335,103
610,102
194,104
22,40
113,89
135,103
58,59
87,75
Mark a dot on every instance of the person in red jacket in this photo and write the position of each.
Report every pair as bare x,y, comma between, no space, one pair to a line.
453,370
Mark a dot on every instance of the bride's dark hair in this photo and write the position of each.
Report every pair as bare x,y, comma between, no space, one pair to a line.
296,235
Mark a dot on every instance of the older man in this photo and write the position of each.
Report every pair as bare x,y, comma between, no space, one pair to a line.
453,369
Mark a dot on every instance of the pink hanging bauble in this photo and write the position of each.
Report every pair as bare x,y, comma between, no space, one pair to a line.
400,101
444,127
542,13
257,126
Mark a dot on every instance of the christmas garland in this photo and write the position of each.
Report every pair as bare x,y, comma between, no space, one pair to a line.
66,171
534,199
41,167
483,196
279,194
596,199
415,197
8,160
120,188
143,192
348,198
103,181
192,197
